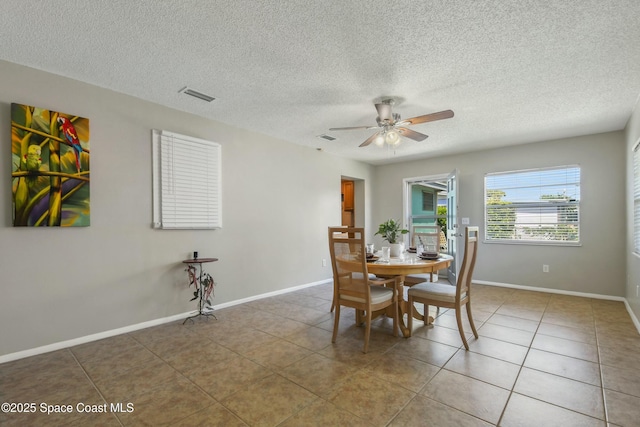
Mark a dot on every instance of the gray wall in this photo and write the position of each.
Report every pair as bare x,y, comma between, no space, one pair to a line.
598,266
278,199
632,134
64,283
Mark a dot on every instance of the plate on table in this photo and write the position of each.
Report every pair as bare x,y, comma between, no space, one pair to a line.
411,250
429,257
372,258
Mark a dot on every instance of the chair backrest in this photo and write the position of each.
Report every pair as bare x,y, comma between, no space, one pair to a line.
468,261
427,233
429,240
348,260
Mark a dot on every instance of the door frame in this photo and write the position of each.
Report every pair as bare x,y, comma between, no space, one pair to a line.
406,207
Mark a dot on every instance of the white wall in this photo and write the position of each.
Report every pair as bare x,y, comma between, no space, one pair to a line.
632,134
64,283
598,266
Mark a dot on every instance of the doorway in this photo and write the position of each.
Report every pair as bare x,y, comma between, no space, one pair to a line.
431,202
348,205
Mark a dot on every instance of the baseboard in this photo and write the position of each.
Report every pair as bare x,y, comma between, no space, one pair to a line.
634,319
131,328
89,338
271,294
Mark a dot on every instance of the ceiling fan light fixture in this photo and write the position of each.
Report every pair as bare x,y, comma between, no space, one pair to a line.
392,138
379,141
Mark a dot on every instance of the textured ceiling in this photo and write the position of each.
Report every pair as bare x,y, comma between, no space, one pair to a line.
512,71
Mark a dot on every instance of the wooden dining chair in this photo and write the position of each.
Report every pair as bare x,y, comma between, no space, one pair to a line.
340,234
352,285
429,237
448,296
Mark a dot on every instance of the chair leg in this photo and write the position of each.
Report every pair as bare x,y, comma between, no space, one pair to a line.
395,316
459,320
367,332
410,314
336,323
333,300
426,314
473,326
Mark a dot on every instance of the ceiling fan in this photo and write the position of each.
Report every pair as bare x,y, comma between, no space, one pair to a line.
391,127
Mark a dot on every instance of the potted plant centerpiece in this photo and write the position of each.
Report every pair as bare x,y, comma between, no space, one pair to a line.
391,231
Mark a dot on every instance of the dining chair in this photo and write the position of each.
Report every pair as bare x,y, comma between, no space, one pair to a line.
448,296
429,237
339,232
352,285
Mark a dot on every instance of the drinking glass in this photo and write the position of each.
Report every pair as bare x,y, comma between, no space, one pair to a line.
370,249
386,253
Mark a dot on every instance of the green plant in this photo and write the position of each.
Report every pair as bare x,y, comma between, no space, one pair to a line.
391,230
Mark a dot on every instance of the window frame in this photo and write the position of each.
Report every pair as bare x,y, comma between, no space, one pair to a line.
635,151
536,205
187,182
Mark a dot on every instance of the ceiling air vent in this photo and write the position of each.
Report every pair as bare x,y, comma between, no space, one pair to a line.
196,94
327,137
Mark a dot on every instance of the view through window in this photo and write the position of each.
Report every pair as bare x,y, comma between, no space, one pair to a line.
537,205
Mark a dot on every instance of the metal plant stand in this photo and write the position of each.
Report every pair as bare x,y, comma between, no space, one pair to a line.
201,292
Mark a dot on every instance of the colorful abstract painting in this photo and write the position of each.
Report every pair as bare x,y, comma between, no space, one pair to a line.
50,157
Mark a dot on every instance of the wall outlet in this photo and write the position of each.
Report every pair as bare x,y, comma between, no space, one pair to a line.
545,268
324,262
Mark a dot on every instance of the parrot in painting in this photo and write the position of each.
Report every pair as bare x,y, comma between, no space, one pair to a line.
32,160
71,136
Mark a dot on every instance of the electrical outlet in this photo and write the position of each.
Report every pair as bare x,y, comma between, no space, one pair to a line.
324,262
545,268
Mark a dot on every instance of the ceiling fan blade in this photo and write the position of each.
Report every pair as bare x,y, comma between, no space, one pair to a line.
384,111
355,127
416,136
370,139
446,114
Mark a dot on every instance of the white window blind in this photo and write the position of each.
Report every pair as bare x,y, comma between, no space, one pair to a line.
636,197
537,205
186,182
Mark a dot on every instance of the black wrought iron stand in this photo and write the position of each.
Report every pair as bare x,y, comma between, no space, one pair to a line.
197,262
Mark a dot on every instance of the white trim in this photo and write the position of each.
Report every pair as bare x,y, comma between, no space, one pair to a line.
131,328
271,294
634,319
550,291
89,338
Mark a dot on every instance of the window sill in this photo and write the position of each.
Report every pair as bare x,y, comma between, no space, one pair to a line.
531,243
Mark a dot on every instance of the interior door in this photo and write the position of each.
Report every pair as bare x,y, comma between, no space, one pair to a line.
452,225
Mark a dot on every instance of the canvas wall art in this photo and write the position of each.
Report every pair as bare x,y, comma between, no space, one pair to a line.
50,173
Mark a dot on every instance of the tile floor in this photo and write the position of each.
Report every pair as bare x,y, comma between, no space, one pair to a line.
541,360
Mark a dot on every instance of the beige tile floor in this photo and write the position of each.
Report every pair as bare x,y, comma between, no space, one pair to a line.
541,360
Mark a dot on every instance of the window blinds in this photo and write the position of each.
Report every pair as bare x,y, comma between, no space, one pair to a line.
636,198
187,182
537,205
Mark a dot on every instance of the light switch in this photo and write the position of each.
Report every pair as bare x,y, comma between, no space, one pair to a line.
465,221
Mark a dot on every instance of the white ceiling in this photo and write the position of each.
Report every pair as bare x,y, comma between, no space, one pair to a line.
512,71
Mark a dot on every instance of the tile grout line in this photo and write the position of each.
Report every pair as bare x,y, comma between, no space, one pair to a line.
604,400
93,384
521,365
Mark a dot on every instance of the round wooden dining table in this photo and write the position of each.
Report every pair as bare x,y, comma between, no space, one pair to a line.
404,266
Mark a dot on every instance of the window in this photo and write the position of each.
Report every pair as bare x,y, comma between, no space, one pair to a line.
428,201
186,182
533,206
636,197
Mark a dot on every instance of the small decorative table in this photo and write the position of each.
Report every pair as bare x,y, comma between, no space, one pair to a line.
204,284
